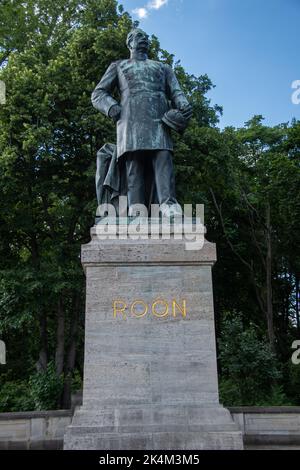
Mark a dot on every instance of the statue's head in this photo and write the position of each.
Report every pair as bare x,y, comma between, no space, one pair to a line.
138,40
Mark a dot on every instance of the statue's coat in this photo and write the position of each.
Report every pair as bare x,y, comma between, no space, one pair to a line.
148,89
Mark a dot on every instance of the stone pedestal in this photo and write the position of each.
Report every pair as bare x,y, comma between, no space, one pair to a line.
150,372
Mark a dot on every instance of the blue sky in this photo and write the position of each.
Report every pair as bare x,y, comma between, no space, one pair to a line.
250,49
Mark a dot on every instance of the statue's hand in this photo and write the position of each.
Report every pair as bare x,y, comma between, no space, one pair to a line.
187,112
115,112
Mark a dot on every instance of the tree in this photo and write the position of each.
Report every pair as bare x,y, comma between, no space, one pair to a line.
248,180
49,137
250,371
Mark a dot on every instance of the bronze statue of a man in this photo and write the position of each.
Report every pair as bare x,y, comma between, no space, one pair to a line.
150,94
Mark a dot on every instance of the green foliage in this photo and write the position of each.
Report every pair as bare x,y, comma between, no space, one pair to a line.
48,141
292,382
15,396
46,388
76,383
250,370
52,54
41,391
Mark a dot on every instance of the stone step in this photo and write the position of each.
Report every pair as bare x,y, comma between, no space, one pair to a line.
152,441
154,415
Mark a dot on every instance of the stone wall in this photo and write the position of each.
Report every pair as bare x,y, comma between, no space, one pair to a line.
269,427
262,428
34,429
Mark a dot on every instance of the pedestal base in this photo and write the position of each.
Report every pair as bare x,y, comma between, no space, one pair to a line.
150,372
152,427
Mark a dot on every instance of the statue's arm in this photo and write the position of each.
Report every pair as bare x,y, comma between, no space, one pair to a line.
175,93
101,96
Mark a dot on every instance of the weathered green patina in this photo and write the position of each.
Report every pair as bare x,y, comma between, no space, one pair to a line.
152,103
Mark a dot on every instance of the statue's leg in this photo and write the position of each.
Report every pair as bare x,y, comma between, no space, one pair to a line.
135,179
164,176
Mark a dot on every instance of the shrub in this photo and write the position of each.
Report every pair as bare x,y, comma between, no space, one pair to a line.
249,369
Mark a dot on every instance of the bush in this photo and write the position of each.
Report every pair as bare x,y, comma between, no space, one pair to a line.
249,369
15,396
46,388
293,382
41,392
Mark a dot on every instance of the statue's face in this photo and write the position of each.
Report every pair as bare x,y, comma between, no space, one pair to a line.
139,41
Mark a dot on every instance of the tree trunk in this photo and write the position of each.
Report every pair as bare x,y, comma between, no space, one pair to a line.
71,354
60,338
43,355
269,295
265,302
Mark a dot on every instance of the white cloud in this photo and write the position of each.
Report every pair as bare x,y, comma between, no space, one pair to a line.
141,12
157,4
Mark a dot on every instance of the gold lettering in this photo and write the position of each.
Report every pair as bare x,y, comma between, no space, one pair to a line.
160,308
133,312
181,309
157,314
119,309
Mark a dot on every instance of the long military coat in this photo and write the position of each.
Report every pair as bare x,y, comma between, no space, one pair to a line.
148,89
